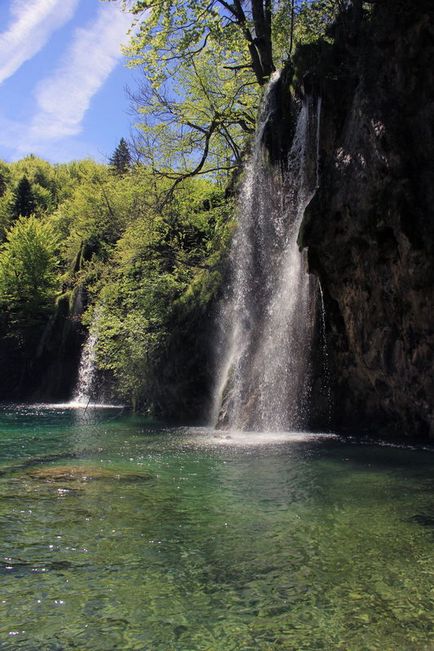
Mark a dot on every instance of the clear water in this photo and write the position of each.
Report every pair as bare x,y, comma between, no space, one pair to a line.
117,535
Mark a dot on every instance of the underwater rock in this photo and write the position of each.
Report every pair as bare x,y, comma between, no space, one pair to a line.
83,474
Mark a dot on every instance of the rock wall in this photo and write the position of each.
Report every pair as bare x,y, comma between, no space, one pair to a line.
370,228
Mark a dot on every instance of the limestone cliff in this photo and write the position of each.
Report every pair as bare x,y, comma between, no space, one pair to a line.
370,227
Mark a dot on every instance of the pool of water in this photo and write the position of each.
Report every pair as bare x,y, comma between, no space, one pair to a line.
116,534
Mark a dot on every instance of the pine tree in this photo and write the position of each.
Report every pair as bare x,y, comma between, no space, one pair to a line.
4,178
121,158
25,200
3,184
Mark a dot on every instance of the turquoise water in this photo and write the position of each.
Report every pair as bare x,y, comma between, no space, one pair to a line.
115,534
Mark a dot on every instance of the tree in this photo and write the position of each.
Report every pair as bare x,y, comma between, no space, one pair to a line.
29,285
205,63
203,70
24,199
182,28
5,175
201,125
163,275
120,161
99,209
28,271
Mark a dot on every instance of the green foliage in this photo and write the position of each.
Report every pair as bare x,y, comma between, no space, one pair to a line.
33,186
163,264
314,20
7,201
28,272
5,175
46,182
144,270
199,98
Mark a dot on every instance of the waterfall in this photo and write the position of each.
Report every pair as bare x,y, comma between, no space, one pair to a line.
267,319
327,388
85,388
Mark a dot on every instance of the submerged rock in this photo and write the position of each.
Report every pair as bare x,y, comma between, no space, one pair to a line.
83,474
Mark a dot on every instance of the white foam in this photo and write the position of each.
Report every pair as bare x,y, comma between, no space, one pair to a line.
245,438
74,404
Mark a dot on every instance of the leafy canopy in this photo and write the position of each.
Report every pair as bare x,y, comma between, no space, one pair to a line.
204,64
28,269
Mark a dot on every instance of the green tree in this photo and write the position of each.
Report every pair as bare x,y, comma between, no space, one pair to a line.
164,273
205,63
120,160
5,177
28,271
29,284
173,30
99,209
24,199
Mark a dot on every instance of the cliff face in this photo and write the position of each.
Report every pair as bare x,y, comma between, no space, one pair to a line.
370,228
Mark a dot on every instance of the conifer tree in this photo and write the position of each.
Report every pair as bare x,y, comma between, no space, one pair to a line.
4,178
25,200
120,161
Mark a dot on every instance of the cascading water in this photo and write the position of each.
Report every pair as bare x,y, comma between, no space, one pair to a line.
326,371
267,321
85,389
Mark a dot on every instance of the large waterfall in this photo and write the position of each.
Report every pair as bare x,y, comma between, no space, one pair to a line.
267,319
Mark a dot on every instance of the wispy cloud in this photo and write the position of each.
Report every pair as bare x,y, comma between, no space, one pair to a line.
32,23
64,97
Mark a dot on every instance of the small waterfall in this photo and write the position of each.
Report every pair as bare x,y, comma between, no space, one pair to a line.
85,389
325,354
267,319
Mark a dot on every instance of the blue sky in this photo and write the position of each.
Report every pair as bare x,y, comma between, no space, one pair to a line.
62,79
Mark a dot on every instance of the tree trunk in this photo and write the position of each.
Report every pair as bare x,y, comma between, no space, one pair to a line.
259,44
357,15
261,12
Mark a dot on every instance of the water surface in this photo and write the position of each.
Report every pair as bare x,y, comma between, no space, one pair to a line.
115,534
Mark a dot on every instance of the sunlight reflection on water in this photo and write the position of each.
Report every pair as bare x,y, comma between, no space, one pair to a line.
73,405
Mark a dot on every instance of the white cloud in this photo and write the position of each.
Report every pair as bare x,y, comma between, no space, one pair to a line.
70,149
33,22
64,97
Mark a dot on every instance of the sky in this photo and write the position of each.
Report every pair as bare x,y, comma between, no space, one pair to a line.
63,79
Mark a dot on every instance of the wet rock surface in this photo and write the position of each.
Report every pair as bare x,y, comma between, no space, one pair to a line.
82,474
370,227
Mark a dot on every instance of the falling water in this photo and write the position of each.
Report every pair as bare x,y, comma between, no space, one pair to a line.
267,320
327,388
85,388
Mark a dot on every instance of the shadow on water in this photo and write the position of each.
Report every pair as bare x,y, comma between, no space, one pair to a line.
424,519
